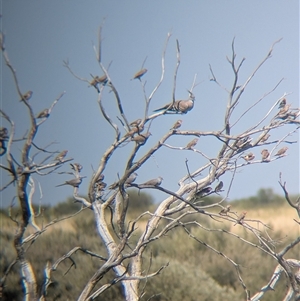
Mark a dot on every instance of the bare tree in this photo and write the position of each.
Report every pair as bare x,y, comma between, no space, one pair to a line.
124,253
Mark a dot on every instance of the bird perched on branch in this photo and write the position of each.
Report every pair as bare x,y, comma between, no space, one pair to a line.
282,103
134,129
192,144
43,114
135,122
73,182
225,210
264,138
153,182
76,166
141,138
264,154
281,151
219,187
241,218
202,192
3,133
176,125
98,80
61,156
131,178
179,106
139,74
26,96
249,157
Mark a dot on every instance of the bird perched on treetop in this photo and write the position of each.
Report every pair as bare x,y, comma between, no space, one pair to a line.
281,151
73,182
139,74
26,96
179,106
176,125
192,143
153,182
61,156
43,114
282,103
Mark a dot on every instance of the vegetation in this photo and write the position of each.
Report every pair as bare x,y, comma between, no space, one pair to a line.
198,273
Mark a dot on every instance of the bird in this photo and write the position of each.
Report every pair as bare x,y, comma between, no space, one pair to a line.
43,114
203,191
192,143
141,138
179,106
135,122
249,157
61,156
26,96
98,80
134,129
219,187
76,166
241,218
225,210
281,151
264,154
100,178
282,103
139,74
73,182
243,142
282,114
176,125
3,133
264,138
153,182
131,178
100,186
102,79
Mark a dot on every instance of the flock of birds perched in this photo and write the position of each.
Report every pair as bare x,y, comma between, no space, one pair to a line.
136,135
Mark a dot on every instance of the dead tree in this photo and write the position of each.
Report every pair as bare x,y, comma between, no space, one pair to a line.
124,255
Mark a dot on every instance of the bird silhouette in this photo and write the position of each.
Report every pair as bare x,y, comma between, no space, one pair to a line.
135,122
264,138
179,106
131,178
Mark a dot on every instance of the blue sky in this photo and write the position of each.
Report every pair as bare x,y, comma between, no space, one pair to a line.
41,34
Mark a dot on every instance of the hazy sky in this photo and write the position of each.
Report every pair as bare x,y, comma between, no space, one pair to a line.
41,34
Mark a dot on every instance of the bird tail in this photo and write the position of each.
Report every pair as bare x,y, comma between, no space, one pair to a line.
61,185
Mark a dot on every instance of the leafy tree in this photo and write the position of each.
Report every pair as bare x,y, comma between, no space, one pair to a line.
127,237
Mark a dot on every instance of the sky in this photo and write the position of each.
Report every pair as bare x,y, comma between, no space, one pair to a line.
40,35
